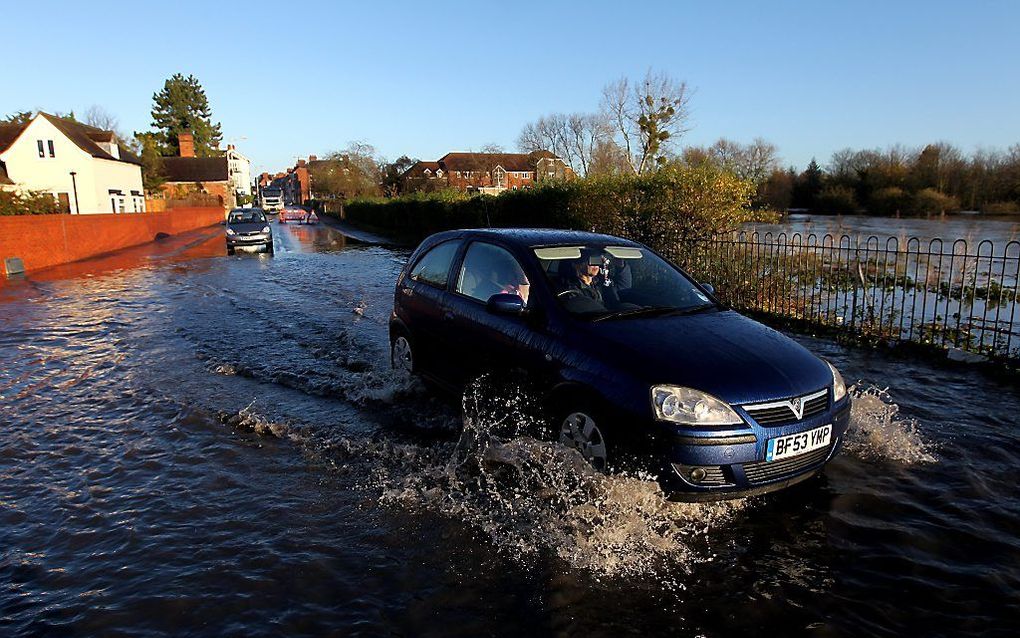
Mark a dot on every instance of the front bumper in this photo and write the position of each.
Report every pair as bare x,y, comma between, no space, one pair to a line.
234,241
733,465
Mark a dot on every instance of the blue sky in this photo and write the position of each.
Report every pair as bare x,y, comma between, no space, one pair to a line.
423,78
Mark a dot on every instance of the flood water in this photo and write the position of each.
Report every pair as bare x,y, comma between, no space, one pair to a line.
196,444
998,229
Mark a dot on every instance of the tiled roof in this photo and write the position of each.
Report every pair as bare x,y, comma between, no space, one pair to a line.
488,161
195,169
418,168
4,179
9,132
87,137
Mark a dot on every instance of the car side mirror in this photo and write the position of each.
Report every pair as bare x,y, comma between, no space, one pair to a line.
709,287
504,303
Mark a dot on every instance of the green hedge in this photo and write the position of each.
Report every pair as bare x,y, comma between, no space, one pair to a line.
666,210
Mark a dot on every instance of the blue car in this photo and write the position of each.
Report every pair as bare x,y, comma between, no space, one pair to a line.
640,366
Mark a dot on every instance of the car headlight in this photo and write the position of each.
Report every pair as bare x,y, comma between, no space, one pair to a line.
230,231
838,385
266,229
691,407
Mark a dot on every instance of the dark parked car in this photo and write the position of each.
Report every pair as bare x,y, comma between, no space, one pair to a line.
248,228
641,367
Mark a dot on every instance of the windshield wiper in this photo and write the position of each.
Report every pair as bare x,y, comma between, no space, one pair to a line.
649,311
637,312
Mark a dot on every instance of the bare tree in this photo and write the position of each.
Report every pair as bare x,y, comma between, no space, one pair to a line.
100,118
546,134
648,117
574,138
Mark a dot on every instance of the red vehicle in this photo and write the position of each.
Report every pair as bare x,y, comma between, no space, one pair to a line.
298,215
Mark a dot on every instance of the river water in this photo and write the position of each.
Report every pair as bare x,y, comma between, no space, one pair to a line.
206,445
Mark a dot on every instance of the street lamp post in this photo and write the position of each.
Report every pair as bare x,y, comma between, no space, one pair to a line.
74,187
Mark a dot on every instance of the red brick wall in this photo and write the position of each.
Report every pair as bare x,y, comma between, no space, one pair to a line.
47,240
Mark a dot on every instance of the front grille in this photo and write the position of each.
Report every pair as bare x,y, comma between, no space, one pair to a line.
763,471
779,412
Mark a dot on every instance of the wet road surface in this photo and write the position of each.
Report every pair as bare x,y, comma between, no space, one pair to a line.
198,444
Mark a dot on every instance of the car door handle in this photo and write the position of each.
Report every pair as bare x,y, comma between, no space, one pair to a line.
447,316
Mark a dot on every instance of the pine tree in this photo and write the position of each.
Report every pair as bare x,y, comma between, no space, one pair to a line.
183,107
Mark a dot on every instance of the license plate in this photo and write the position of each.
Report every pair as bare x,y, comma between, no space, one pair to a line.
796,444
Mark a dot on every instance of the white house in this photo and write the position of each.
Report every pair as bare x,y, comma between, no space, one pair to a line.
239,170
84,167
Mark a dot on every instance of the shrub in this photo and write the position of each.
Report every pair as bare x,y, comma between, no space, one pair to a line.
1001,207
837,199
667,209
929,200
889,201
27,203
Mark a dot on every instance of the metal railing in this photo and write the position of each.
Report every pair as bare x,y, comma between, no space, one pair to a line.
942,294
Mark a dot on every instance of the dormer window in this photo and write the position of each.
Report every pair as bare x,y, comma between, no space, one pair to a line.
427,172
439,172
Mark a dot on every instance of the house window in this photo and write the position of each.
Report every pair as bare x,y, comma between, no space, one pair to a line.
50,144
122,204
113,204
42,151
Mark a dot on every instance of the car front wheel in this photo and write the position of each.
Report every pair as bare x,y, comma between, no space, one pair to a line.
579,430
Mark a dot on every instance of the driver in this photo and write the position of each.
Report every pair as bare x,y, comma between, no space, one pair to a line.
584,284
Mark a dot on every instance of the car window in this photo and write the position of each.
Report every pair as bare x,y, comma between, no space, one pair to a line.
434,267
489,270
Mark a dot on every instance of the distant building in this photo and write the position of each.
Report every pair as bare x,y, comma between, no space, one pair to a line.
86,169
238,171
486,172
224,176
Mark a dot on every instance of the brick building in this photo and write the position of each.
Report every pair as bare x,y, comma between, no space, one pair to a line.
223,176
486,172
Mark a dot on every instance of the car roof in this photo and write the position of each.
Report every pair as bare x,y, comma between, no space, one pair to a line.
530,237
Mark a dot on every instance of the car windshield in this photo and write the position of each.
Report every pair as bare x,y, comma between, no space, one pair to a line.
616,282
246,217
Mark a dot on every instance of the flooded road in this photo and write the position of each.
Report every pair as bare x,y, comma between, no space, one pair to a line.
198,444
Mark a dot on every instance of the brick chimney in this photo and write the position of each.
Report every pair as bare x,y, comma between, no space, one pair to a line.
186,141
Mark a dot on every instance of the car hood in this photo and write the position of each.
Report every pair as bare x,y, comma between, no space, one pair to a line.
247,228
723,353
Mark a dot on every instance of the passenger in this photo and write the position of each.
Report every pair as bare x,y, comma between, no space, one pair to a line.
516,282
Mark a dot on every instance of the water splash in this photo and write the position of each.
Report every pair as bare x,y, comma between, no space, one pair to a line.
247,418
878,430
531,496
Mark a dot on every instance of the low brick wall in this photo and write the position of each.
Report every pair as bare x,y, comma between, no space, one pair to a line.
42,241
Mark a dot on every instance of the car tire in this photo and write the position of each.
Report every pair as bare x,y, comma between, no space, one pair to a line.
402,358
577,425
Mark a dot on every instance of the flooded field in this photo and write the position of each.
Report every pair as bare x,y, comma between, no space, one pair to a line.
206,445
998,229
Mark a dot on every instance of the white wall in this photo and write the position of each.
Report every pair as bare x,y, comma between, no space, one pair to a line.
239,168
94,178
